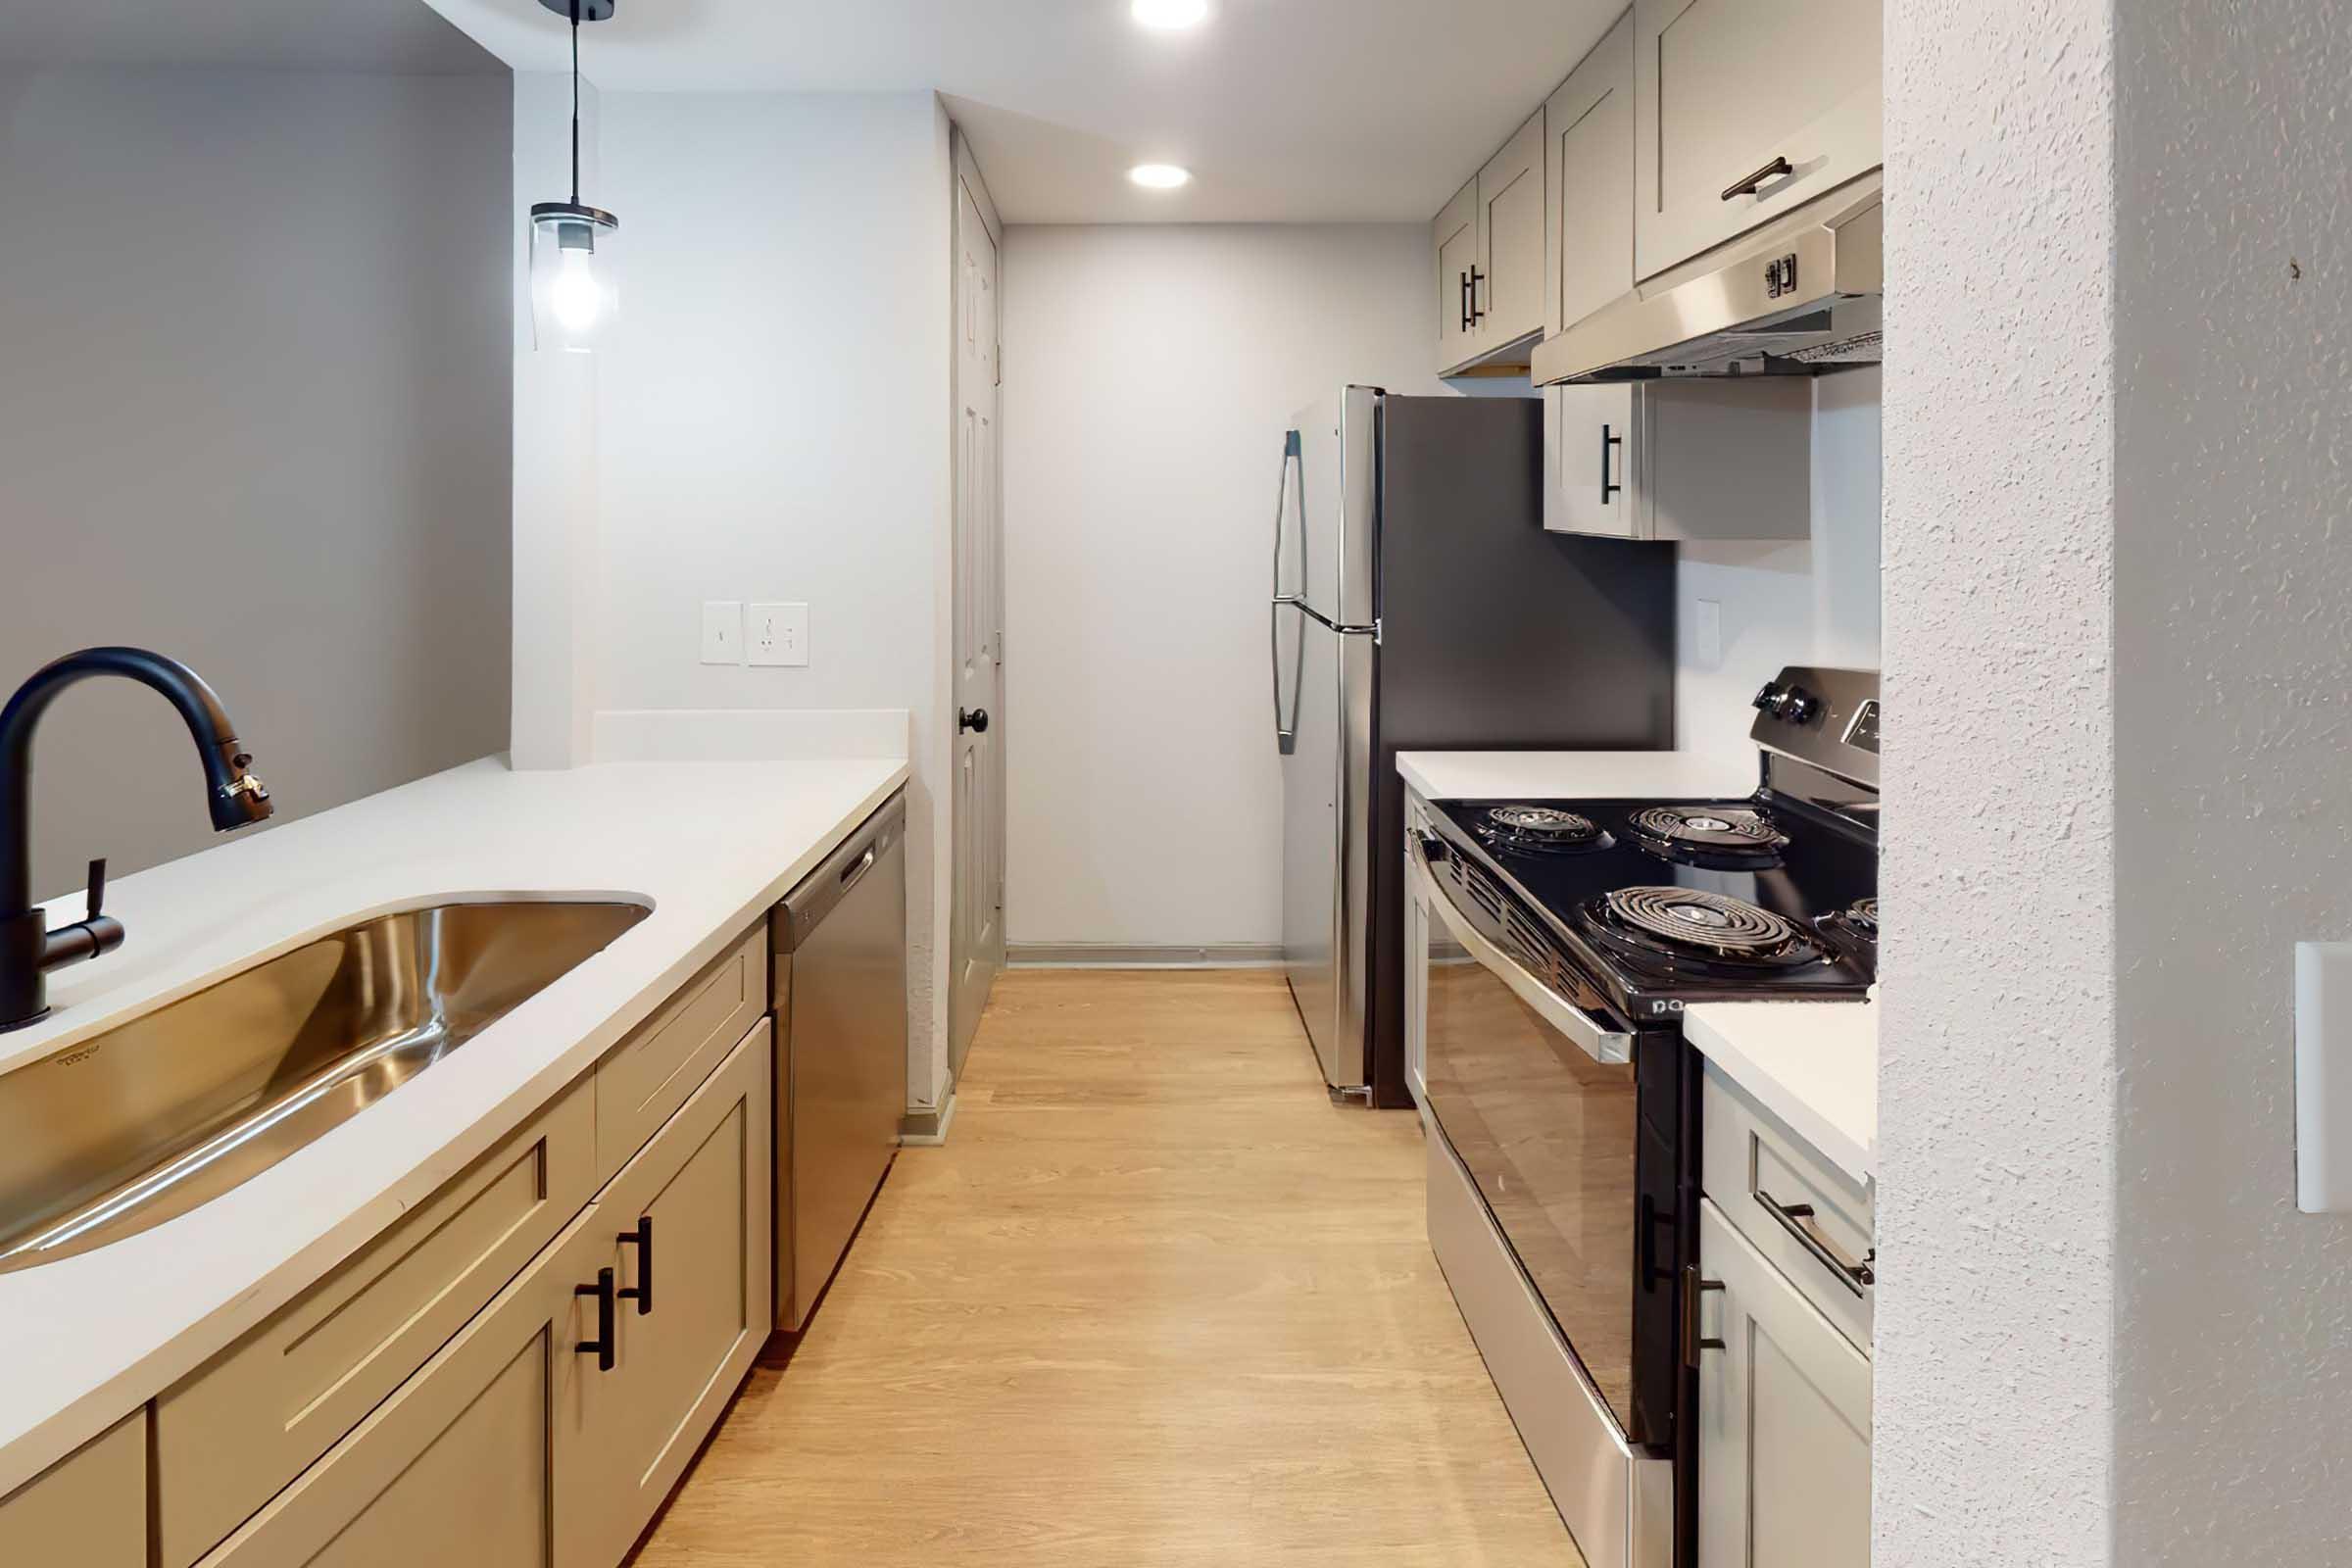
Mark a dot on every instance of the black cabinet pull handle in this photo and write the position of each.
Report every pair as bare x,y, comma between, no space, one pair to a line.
1609,441
1800,1221
1771,171
642,1239
603,1343
1476,315
1696,1291
1463,278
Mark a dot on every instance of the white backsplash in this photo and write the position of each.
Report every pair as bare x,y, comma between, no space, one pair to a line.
1809,602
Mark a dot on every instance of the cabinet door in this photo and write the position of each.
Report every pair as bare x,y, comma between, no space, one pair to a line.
1590,446
469,1461
1507,295
1783,1420
1589,228
1454,237
88,1510
698,1194
1722,89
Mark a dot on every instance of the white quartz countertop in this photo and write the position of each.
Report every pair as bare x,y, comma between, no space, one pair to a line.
1814,1064
708,846
1595,776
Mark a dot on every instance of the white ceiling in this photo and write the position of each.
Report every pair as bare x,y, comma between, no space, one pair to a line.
400,38
1285,110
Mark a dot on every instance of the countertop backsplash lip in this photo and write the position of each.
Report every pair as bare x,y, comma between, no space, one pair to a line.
94,1336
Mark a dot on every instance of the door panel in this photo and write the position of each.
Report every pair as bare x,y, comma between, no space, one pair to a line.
1550,1137
1590,449
977,915
705,1183
1454,239
1589,235
1511,199
1783,1410
1725,86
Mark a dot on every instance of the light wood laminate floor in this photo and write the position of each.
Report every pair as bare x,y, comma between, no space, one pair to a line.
1156,1303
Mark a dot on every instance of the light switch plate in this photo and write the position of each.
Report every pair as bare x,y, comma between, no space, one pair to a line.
722,631
778,635
2323,1077
1706,633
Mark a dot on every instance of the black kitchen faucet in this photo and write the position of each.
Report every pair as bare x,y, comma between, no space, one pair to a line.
28,948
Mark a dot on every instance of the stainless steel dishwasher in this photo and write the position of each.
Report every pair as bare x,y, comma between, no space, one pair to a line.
840,992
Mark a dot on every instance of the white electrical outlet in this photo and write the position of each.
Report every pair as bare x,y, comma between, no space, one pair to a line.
722,631
780,635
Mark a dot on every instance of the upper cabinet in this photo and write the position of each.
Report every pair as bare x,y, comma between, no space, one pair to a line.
1744,112
1511,207
1490,249
1454,237
1589,229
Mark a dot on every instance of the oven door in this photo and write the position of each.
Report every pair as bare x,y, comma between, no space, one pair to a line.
1538,1099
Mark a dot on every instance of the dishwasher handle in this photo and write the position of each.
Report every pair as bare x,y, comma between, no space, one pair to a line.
804,909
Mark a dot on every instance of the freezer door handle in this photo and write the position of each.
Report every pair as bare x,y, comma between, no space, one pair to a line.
1292,463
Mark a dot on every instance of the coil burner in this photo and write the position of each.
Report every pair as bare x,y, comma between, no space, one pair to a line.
1540,829
1727,837
1696,927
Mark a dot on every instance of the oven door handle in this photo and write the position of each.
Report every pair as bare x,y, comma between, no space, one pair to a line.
1604,1043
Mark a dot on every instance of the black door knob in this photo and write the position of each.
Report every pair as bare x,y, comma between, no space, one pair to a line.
974,719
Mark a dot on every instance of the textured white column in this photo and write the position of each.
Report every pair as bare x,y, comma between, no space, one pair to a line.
1993,1414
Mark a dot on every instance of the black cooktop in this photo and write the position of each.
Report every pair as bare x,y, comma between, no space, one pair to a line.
1664,902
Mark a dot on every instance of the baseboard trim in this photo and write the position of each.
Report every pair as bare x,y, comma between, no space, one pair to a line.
927,1129
1121,955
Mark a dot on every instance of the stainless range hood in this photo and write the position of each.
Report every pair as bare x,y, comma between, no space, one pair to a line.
1796,298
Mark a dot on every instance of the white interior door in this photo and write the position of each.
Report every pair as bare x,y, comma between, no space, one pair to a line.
976,942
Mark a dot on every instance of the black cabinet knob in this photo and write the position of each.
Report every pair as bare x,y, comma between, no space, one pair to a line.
974,719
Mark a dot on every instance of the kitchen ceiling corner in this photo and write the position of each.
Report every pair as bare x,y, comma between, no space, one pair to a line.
1285,110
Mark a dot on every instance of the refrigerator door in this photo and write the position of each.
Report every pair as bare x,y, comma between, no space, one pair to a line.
1332,555
1327,803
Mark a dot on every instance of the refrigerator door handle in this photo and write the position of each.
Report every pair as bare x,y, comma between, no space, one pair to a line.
1292,461
1286,728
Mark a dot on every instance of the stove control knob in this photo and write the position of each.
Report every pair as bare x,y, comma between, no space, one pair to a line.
1768,701
1799,705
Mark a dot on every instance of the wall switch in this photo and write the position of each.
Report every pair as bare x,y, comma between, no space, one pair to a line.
1706,633
722,631
2323,1077
779,634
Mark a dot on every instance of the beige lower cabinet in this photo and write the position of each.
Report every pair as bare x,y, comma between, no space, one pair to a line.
89,1510
698,1194
1783,1419
469,1461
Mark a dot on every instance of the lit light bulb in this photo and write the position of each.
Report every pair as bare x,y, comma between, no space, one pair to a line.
1171,13
1159,176
575,297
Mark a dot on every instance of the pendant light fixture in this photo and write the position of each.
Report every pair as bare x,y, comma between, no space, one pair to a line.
573,298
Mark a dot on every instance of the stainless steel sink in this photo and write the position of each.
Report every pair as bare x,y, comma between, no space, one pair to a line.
128,1129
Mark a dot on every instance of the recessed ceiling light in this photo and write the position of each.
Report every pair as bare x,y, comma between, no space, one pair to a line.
1171,13
1159,176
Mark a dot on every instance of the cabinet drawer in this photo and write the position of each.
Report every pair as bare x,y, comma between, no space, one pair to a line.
1756,1170
648,1076
234,1433
88,1510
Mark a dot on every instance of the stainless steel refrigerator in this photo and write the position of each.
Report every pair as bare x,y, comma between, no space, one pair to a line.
1419,604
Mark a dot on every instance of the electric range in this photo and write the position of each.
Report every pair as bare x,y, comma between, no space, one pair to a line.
1559,943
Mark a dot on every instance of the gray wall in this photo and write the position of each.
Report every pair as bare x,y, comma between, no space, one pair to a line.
255,361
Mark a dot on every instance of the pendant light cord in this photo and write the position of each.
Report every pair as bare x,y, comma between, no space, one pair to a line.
575,103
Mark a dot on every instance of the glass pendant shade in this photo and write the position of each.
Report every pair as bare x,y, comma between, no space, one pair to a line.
574,295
